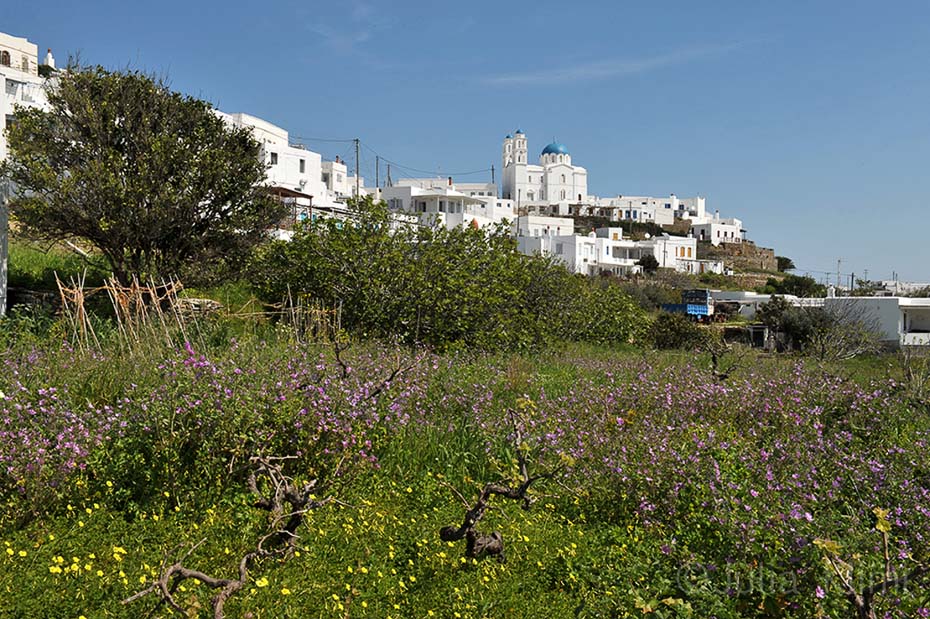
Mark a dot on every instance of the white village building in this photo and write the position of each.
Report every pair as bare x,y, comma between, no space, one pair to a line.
606,250
718,230
541,226
540,203
901,321
631,208
299,177
437,201
21,86
556,187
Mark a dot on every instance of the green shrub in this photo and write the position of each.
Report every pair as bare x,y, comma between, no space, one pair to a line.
676,331
650,294
439,287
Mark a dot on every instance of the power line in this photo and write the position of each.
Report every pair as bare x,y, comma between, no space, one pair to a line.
306,139
421,170
822,272
401,167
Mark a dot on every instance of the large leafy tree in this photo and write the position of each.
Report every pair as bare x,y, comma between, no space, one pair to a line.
153,179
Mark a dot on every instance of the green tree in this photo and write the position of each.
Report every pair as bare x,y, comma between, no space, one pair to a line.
784,263
156,181
841,331
772,313
649,263
797,285
673,330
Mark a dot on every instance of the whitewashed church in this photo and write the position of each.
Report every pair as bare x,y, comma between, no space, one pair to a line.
554,180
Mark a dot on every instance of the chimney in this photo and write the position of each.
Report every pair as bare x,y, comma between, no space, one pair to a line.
450,181
49,59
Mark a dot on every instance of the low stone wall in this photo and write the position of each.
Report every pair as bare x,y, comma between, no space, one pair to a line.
745,256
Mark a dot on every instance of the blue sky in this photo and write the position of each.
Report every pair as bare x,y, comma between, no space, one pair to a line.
808,120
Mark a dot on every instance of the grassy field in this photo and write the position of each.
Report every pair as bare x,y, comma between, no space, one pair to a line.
672,494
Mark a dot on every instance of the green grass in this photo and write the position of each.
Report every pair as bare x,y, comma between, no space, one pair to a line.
33,266
581,551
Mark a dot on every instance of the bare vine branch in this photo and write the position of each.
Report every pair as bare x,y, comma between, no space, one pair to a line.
284,499
863,601
479,544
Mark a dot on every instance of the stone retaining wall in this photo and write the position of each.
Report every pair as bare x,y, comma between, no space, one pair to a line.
745,256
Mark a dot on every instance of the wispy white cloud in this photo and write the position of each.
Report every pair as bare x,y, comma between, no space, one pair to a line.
360,23
340,40
362,11
604,69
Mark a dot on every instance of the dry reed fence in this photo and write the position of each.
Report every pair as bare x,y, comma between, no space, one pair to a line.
147,310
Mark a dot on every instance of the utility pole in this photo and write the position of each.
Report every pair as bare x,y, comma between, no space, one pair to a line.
389,184
377,172
838,277
492,174
357,188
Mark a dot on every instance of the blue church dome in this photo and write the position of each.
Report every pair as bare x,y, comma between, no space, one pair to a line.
555,148
519,132
509,137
